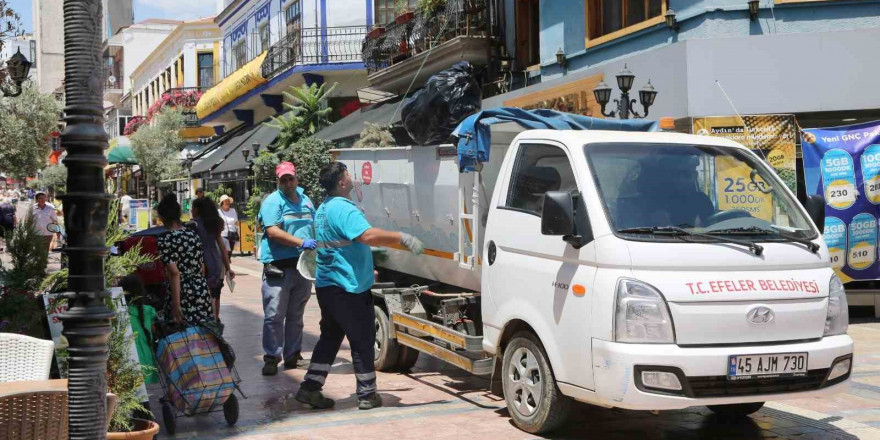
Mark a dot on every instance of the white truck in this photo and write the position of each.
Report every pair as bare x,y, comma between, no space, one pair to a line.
613,268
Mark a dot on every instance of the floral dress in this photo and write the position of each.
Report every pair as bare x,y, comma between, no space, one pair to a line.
184,247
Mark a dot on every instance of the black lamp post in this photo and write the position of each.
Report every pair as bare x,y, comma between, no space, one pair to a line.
625,105
17,69
188,163
245,151
560,59
86,205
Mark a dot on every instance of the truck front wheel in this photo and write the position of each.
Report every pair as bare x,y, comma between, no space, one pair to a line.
533,399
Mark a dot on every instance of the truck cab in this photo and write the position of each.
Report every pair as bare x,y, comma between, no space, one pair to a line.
645,271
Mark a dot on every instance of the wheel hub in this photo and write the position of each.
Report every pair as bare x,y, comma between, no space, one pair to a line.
525,382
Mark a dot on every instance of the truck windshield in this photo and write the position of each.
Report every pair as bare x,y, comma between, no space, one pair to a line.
695,188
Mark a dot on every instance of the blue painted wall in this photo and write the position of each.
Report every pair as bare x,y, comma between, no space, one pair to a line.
563,25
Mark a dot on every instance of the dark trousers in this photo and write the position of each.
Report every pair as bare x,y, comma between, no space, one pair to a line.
343,315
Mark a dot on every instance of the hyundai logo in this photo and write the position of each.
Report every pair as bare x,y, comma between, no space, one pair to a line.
760,315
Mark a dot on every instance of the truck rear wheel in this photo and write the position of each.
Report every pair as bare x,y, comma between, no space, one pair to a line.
385,350
736,411
534,401
407,357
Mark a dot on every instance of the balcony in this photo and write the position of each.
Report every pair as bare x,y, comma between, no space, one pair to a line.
458,30
314,46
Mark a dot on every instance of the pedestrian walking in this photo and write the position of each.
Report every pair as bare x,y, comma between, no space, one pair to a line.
230,219
7,220
286,217
208,224
44,215
342,282
182,253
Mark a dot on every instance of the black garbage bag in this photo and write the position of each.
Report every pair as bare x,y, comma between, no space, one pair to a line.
448,98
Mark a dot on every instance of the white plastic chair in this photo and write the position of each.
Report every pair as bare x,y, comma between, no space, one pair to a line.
24,358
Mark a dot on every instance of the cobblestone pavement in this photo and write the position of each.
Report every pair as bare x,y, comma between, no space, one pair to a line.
435,401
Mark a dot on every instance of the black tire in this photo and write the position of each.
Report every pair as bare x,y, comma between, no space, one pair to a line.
407,357
386,350
736,411
533,414
230,410
168,418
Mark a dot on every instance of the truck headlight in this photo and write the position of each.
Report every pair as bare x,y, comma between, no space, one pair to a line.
837,320
642,315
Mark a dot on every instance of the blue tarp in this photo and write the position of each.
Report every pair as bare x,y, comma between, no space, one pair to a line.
474,134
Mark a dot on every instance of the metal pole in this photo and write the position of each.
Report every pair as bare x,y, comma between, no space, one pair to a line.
87,320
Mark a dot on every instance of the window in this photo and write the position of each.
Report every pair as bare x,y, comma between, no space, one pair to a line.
264,37
528,29
239,54
293,17
385,12
206,69
538,168
605,17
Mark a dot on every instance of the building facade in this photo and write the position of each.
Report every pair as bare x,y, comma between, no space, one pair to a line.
270,45
49,37
704,57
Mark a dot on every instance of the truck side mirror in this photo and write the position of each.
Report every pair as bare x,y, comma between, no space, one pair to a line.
557,215
816,209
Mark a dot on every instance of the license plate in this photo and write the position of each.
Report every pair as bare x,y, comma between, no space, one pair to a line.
764,366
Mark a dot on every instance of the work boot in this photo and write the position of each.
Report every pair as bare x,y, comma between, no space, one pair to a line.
270,368
296,361
370,402
314,399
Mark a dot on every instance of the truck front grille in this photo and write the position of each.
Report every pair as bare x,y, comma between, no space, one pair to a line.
720,386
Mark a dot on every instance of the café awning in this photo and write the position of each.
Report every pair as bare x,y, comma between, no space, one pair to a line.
120,152
240,82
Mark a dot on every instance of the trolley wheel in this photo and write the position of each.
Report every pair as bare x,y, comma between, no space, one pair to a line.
230,410
168,418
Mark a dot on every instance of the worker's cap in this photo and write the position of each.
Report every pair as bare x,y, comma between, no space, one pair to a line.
285,169
224,198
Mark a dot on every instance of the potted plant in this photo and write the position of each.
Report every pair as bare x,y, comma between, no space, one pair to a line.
376,32
404,14
429,7
124,375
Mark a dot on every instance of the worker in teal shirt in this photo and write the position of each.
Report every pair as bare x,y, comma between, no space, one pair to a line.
286,217
342,283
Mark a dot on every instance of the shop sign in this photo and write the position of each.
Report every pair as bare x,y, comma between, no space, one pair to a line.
771,137
842,164
572,97
190,119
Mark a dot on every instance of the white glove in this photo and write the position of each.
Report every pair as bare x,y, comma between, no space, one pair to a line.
413,244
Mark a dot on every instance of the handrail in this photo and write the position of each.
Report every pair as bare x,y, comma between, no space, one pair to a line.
314,46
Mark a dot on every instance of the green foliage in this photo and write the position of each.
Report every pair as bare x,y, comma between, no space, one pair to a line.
25,121
55,177
309,155
264,170
430,6
34,184
308,113
115,267
217,193
252,210
19,310
401,7
27,252
157,146
375,136
124,375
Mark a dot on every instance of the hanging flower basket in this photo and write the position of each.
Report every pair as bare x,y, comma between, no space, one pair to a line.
405,17
376,32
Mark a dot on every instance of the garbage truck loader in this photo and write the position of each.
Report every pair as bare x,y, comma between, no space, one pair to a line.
617,268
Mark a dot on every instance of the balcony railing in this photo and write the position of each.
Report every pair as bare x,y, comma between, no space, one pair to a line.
400,41
113,78
315,46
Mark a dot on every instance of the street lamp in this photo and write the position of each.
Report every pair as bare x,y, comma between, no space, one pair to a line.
625,105
753,9
17,69
560,59
86,206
